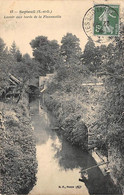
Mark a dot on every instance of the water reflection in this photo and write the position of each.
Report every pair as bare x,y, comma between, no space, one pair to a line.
41,123
59,163
71,157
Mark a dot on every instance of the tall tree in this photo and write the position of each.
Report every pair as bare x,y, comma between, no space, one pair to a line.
26,58
18,55
13,49
46,53
92,56
70,48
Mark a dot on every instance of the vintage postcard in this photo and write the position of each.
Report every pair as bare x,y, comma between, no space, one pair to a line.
61,97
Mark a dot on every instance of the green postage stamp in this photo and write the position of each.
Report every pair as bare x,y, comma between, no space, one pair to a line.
106,20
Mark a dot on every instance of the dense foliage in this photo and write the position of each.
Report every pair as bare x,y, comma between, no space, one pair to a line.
77,106
18,156
46,53
19,166
70,48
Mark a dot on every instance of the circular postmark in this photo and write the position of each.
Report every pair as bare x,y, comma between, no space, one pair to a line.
101,23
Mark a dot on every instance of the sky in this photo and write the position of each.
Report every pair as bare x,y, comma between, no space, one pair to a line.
23,30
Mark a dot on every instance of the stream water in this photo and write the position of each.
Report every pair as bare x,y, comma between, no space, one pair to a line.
59,163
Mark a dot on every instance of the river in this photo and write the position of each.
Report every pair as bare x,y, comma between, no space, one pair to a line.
59,163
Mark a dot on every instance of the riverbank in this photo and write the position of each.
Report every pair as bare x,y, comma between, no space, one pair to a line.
69,120
77,107
84,104
19,165
60,163
115,159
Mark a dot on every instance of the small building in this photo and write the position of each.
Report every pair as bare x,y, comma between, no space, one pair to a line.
14,87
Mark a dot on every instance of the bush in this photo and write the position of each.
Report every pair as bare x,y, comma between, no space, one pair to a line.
19,165
68,115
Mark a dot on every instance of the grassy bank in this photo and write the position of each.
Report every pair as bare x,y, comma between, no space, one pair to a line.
68,115
19,164
76,107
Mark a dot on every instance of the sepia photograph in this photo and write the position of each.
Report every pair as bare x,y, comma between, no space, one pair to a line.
61,97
